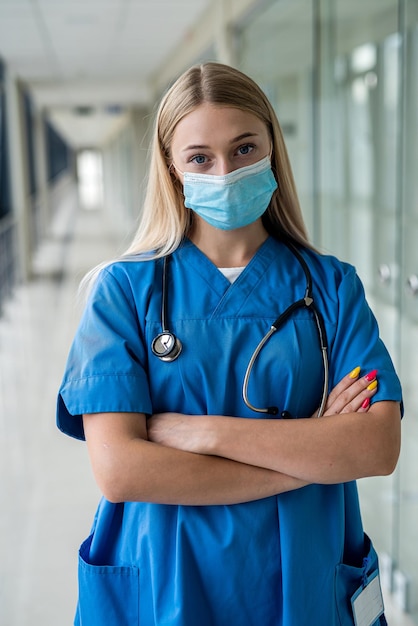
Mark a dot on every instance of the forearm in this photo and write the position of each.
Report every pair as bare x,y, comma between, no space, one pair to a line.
153,473
352,440
326,450
134,469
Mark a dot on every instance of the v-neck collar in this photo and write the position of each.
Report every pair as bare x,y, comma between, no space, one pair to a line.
231,296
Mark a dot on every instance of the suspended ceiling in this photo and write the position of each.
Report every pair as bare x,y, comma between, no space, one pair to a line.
96,53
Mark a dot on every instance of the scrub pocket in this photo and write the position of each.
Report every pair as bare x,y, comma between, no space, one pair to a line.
348,579
108,595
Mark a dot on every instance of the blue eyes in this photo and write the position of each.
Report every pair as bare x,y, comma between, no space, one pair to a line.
201,159
245,149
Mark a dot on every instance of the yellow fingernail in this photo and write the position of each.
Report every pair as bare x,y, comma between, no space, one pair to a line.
354,373
372,385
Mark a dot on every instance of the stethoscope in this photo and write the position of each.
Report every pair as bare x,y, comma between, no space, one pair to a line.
167,347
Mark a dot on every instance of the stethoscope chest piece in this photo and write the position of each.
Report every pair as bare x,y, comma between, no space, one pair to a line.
166,346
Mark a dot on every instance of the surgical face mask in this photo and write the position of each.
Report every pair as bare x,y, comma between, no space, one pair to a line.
234,200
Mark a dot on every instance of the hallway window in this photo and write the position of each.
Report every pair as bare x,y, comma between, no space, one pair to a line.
90,179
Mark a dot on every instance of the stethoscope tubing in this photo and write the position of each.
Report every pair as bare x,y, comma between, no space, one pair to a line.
308,303
167,347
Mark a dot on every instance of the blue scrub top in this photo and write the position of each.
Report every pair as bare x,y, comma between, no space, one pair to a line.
288,560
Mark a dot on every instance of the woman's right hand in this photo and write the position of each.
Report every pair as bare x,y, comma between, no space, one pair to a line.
352,394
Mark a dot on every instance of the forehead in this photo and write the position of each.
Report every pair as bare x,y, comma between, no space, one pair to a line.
210,123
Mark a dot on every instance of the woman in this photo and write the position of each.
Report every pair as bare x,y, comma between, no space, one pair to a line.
215,511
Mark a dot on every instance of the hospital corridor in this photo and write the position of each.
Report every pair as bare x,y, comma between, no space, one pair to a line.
75,126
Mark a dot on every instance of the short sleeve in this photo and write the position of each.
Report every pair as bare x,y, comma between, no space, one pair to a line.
357,342
105,369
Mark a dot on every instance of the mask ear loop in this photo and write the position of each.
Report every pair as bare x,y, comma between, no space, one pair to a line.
172,168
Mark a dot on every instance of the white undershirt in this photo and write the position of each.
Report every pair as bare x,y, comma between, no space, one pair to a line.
231,273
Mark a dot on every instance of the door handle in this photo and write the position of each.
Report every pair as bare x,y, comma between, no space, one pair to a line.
385,273
412,285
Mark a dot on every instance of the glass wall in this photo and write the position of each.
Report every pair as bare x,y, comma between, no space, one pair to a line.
59,154
343,77
4,173
7,226
276,50
360,151
408,302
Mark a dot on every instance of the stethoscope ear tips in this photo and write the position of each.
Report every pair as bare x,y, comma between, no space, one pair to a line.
166,346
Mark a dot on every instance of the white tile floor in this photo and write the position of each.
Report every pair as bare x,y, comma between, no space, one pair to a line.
47,493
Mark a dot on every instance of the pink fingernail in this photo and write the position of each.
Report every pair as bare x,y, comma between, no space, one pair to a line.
366,403
371,375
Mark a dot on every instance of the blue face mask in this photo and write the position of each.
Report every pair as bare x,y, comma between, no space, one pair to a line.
234,200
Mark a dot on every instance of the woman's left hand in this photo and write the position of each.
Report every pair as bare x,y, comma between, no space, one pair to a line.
352,394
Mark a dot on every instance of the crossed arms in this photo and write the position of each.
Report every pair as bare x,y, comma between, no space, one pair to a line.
202,460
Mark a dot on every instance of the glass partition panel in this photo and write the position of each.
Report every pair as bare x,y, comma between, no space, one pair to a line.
359,180
408,260
275,49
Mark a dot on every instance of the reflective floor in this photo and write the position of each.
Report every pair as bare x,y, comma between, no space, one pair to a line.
47,493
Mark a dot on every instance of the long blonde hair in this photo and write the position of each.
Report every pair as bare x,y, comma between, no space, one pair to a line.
164,220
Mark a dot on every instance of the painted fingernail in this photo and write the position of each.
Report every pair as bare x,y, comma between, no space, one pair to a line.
366,403
354,373
371,375
372,385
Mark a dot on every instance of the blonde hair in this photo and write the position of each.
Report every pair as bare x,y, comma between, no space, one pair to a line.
164,220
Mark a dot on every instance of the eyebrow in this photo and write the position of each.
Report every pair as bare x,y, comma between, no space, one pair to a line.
234,140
